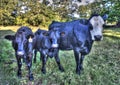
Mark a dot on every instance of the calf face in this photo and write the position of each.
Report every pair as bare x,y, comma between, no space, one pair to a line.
97,24
21,43
54,36
18,42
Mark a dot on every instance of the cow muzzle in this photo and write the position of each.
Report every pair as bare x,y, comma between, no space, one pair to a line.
98,37
54,45
20,53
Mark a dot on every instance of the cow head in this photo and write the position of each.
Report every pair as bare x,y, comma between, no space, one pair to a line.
96,22
20,42
55,37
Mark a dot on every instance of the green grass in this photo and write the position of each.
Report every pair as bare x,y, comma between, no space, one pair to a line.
101,66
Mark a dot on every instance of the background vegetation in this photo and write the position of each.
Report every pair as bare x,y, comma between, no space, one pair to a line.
31,12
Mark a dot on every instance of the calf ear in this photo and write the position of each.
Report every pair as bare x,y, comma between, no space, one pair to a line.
10,37
30,35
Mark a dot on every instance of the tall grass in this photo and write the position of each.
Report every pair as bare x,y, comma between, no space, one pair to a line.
101,66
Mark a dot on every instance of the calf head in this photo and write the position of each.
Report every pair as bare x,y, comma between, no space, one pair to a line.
55,37
20,42
97,27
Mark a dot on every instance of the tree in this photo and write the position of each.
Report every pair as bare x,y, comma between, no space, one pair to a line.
86,7
7,7
26,12
34,12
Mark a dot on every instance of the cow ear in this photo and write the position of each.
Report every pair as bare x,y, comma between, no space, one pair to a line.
105,17
10,37
62,34
45,33
30,36
90,26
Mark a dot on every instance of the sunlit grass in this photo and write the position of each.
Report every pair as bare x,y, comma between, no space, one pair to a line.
15,28
112,33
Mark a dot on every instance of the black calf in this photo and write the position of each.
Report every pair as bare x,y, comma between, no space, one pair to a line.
43,44
22,44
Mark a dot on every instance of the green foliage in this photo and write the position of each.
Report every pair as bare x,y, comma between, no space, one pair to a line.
6,48
38,14
111,7
4,56
7,7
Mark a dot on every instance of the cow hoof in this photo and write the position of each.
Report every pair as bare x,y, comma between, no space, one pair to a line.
31,78
61,69
34,61
78,72
82,68
43,71
19,76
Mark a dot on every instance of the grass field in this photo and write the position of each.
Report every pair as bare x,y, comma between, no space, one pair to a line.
101,66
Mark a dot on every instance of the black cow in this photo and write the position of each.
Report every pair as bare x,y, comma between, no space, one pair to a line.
43,44
22,44
78,35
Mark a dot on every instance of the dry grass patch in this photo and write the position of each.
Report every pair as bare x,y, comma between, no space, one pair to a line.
15,28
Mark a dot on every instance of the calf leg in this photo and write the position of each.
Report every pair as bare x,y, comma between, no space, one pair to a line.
58,63
81,61
76,54
35,53
29,64
43,57
19,63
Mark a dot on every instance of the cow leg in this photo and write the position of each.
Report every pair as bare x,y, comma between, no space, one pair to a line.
29,64
24,59
43,57
81,61
35,53
77,58
58,63
19,63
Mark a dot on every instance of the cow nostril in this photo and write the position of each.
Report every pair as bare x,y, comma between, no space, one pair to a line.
98,37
